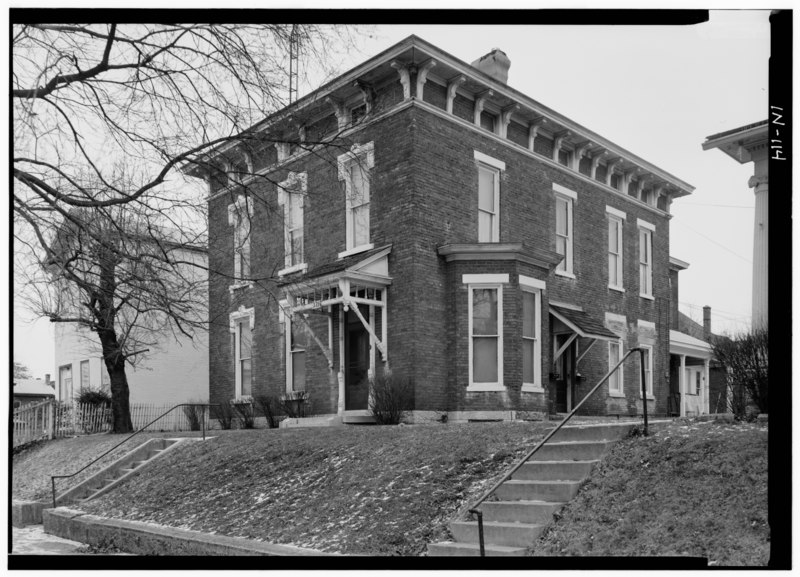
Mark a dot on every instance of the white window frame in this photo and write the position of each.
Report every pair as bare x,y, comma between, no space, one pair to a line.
490,281
365,156
290,321
618,218
535,287
620,372
88,382
648,372
495,167
236,213
235,319
569,197
296,184
646,231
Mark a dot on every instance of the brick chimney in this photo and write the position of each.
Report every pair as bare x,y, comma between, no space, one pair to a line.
495,64
707,323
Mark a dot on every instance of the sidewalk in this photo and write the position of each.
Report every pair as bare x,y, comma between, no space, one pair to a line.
32,540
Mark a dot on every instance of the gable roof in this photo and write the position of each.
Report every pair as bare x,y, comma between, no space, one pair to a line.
33,387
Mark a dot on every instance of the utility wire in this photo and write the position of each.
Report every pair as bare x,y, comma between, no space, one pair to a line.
714,242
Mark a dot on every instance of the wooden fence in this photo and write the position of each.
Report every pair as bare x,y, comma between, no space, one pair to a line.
34,422
51,419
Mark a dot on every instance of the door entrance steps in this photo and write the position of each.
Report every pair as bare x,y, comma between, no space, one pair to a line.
516,514
118,472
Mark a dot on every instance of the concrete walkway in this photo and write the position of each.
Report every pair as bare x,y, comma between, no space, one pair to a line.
32,540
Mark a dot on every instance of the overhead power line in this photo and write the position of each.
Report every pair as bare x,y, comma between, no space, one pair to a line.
747,260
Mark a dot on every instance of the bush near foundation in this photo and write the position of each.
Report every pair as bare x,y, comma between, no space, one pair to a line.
392,396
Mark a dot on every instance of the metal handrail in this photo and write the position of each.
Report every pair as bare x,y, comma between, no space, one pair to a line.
202,421
479,514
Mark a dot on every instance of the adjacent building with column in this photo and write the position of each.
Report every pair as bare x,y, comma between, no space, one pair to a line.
418,216
750,144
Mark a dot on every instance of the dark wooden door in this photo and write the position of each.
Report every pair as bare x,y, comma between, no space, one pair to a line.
565,371
356,350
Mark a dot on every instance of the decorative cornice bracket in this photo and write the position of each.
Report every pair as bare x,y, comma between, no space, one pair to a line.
405,77
480,100
452,87
422,77
505,119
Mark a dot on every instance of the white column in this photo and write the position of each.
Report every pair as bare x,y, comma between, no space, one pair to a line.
682,381
340,375
760,252
707,385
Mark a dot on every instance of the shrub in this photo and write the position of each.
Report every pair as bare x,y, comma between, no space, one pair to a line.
223,412
246,413
746,360
195,414
294,404
392,395
87,396
269,407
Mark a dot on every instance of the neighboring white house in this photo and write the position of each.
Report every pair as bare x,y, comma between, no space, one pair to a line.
173,371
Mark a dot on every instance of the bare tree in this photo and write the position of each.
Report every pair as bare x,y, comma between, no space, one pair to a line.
107,118
21,371
746,360
125,279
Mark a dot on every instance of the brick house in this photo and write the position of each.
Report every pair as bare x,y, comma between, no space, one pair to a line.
417,213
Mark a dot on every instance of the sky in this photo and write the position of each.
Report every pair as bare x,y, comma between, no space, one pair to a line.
657,91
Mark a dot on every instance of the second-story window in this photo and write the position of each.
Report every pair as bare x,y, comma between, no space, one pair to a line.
291,195
645,259
355,169
488,201
489,170
239,216
359,205
615,221
565,200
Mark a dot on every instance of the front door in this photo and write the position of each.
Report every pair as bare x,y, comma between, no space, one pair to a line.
564,370
356,359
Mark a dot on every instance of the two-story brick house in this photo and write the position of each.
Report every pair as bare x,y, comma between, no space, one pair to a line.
417,213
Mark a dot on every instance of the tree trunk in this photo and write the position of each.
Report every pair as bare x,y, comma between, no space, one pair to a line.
120,394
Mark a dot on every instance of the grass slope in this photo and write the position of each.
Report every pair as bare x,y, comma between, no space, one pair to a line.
693,489
357,490
33,464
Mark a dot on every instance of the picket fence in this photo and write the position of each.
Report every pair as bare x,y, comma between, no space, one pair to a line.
51,419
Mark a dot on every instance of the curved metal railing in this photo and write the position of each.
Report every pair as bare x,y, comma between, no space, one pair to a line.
479,514
202,421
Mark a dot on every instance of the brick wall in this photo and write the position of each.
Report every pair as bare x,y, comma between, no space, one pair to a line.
424,195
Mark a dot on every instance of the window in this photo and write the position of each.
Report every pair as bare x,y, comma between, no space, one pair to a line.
531,337
645,259
354,169
485,314
84,374
648,370
239,216
488,197
488,204
65,383
616,380
242,323
298,352
291,195
564,157
359,205
564,229
615,248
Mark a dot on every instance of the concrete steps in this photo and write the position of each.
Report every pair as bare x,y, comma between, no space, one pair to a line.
521,508
117,472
